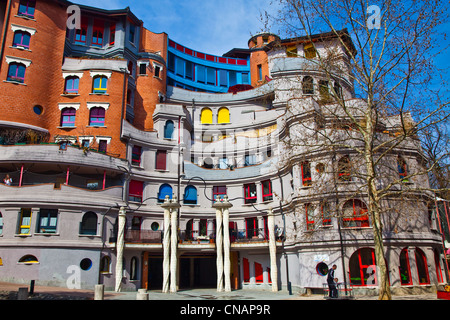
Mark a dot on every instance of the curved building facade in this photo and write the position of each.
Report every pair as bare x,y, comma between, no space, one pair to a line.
151,165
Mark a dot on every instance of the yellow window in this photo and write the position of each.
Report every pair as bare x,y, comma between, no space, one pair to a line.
223,116
25,221
206,116
291,51
310,51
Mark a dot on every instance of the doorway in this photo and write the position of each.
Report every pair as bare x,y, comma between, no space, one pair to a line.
198,271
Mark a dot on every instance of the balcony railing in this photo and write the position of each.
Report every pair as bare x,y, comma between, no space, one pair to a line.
139,236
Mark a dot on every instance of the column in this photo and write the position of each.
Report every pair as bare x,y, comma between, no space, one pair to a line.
226,244
272,250
173,246
166,245
219,247
119,248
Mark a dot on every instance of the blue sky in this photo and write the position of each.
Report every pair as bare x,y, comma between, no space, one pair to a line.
212,26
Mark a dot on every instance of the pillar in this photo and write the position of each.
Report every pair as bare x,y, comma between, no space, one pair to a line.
272,251
173,245
166,246
219,248
119,248
226,248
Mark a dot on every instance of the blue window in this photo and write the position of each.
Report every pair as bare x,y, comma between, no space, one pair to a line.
223,78
245,78
190,195
27,8
68,117
97,117
233,78
100,84
179,67
16,72
201,74
21,39
211,76
168,129
164,190
47,220
132,33
72,84
88,224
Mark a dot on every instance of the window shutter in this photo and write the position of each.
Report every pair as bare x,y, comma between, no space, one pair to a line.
161,160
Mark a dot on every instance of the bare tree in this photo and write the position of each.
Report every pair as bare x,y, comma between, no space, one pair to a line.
386,52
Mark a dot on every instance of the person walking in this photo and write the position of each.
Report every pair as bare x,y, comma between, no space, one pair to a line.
332,282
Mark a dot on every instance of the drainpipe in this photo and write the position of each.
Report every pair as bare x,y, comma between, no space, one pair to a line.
5,30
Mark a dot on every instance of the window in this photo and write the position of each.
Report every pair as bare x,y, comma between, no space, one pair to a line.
100,85
131,35
71,86
201,74
326,214
206,116
86,264
134,268
219,191
250,193
164,190
80,34
168,129
251,228
324,90
1,224
161,159
344,169
355,214
157,71
22,39
28,259
223,116
306,173
308,85
97,33
68,117
27,8
310,51
267,190
250,159
223,163
112,35
223,78
25,221
142,68
259,72
47,221
102,146
337,91
422,267
135,191
88,225
291,51
402,169
105,264
362,267
310,217
437,264
136,155
190,195
404,268
16,72
97,117
211,76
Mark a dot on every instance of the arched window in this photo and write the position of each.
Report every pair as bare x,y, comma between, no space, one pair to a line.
344,168
355,214
71,86
97,117
308,85
100,84
310,217
21,39
89,224
68,117
422,267
16,72
206,116
105,264
168,129
164,190
190,195
28,259
402,169
362,267
134,268
437,264
326,214
404,268
223,116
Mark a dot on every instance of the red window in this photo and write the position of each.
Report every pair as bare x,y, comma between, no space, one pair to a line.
161,160
437,264
80,34
306,173
344,169
258,273
355,214
136,155
219,191
326,214
362,267
404,268
267,190
246,268
97,33
136,189
250,193
251,228
422,267
112,35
